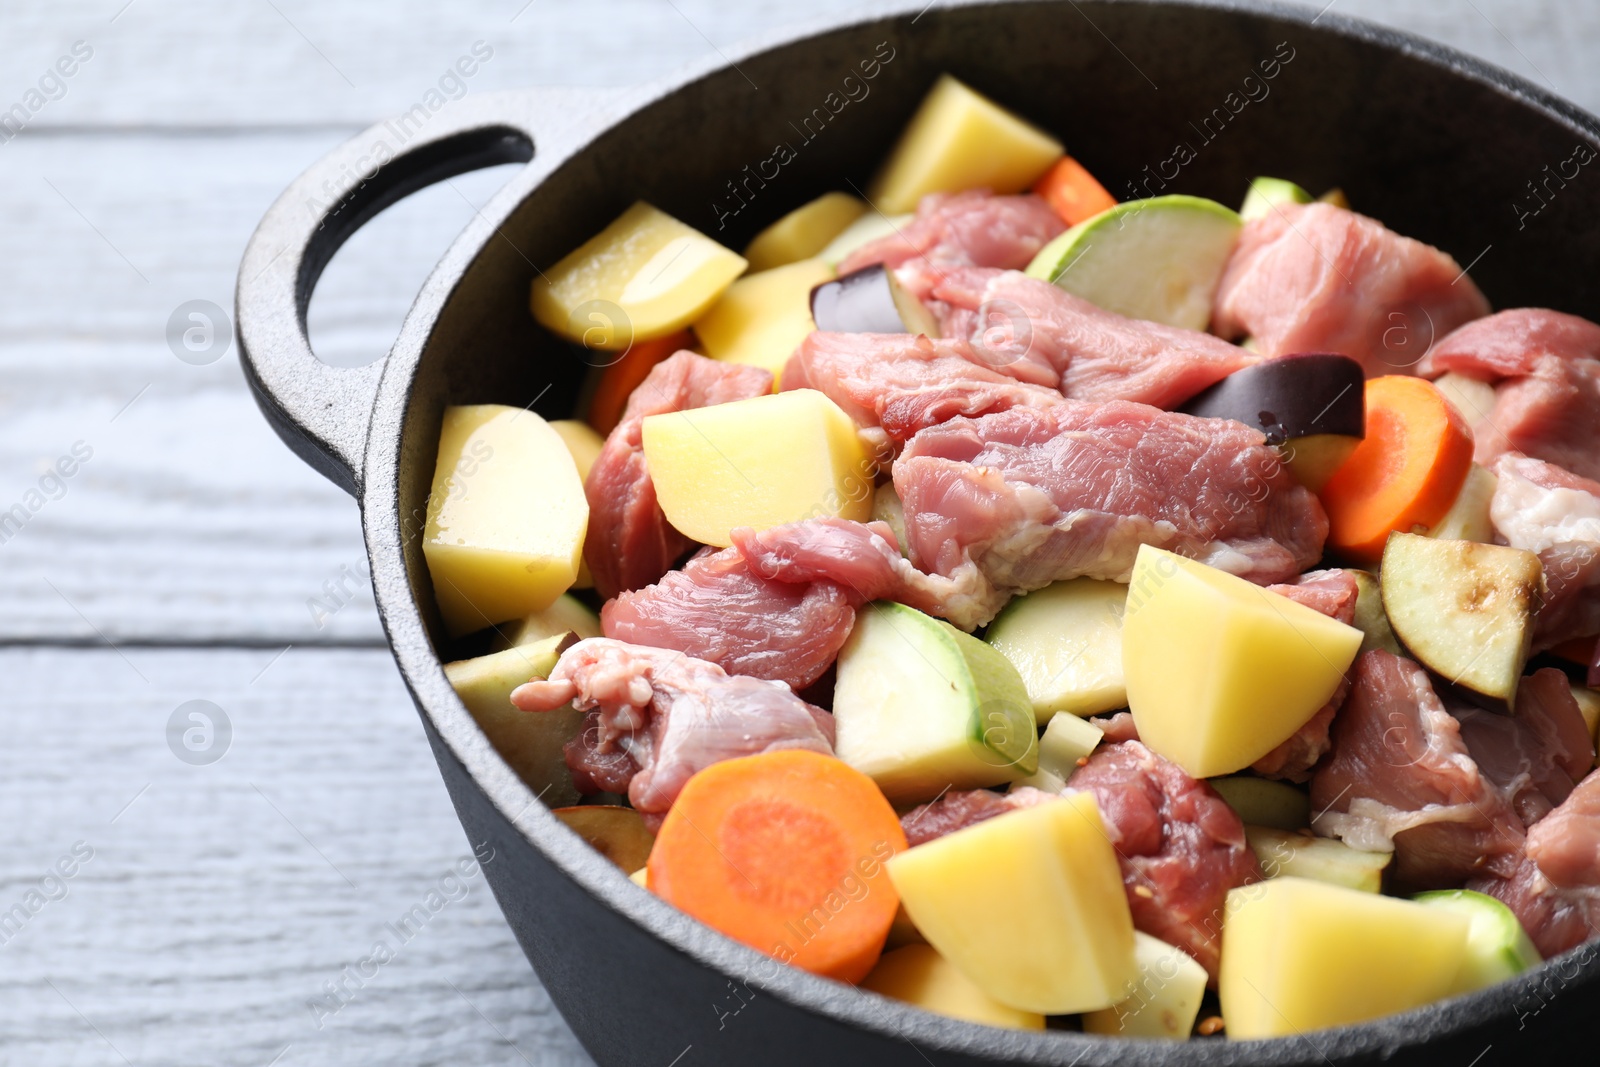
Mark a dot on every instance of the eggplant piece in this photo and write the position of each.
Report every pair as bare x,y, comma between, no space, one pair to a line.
869,300
1314,404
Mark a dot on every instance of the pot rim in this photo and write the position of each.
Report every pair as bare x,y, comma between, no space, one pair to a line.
466,743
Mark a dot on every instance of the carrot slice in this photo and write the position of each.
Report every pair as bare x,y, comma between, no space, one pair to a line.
1405,473
1073,191
784,851
623,377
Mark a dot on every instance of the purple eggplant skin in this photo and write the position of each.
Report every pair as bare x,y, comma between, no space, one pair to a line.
868,300
1290,397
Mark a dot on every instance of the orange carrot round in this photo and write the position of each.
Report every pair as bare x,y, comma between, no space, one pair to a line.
784,851
1405,473
623,377
1072,191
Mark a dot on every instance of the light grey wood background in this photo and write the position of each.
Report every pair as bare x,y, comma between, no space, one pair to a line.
178,563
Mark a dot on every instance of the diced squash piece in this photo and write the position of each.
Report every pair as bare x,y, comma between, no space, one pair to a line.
886,508
641,877
803,232
1468,517
643,276
1472,398
567,613
1065,743
921,707
759,462
1285,854
617,833
1497,946
1463,609
958,140
1263,802
918,975
1299,955
1220,671
1066,642
531,745
763,317
868,228
1371,619
1165,998
506,517
1028,905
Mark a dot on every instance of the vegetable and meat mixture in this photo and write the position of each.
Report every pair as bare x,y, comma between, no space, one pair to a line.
1029,605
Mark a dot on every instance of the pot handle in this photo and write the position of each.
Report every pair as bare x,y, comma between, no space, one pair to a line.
320,411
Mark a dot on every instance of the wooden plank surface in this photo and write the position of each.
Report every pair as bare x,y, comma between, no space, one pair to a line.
221,897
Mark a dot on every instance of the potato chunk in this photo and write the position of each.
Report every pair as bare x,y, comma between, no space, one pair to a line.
642,277
506,517
957,140
1299,955
1219,671
1029,906
918,975
759,462
803,232
763,317
1163,1002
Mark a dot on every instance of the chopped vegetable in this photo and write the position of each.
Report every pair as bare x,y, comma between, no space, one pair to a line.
1220,671
1589,707
567,613
1263,802
1371,619
531,745
1497,946
960,140
1066,642
870,300
759,462
1299,955
886,508
1158,259
803,232
1028,905
585,445
496,551
784,851
918,975
1065,743
868,228
1472,398
1285,854
640,878
617,833
1265,194
1072,192
763,317
644,276
1464,610
624,376
1468,518
1165,999
921,708
1406,472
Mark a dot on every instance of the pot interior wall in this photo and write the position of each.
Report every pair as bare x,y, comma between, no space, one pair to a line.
1432,154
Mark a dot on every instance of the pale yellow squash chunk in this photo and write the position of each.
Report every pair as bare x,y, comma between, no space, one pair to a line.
803,232
506,517
870,227
643,276
1589,705
1065,741
1066,642
585,445
567,613
1220,671
763,317
1165,998
531,744
1293,854
918,975
957,140
759,462
641,877
1029,906
1468,518
1299,955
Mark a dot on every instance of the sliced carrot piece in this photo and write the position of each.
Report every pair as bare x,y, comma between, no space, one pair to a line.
623,377
784,851
1072,191
1405,473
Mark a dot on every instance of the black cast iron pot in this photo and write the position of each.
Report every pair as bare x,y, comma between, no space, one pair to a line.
1438,145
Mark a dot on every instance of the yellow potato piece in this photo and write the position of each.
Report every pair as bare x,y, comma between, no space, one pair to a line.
918,975
530,743
958,140
506,517
803,232
643,276
1220,671
1029,906
585,445
1164,1000
763,317
760,462
1299,955
640,877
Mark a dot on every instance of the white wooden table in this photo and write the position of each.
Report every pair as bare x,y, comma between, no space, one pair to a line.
208,903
